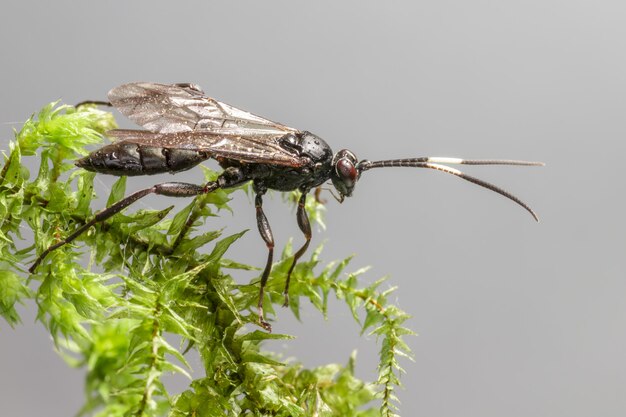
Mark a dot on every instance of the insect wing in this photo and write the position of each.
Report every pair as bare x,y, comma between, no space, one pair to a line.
163,108
260,148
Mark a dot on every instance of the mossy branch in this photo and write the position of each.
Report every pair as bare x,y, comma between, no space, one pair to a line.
152,281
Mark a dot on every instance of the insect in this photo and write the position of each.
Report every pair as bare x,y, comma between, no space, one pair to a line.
185,127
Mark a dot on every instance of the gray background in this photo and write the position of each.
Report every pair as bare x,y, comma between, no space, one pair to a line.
515,318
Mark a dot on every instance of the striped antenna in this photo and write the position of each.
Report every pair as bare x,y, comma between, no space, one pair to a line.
436,163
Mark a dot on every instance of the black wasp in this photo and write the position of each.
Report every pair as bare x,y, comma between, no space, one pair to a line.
185,127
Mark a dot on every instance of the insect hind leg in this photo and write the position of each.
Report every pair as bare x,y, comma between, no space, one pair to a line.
190,86
169,189
94,103
266,233
305,227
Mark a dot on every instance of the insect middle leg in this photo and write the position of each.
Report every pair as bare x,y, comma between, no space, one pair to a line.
170,189
305,227
266,233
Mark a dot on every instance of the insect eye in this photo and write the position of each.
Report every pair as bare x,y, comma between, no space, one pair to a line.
345,169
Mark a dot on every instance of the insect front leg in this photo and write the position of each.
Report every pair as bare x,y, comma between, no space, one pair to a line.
170,189
305,227
318,195
266,233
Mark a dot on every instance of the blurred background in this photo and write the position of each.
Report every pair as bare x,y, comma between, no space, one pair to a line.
514,318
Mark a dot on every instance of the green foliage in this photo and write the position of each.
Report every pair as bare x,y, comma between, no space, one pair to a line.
159,276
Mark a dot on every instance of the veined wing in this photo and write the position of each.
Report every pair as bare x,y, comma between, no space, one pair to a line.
164,108
257,148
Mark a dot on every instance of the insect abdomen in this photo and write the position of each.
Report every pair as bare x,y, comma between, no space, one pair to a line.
128,158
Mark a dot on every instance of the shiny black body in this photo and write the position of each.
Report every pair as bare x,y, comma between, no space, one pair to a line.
184,127
313,173
132,159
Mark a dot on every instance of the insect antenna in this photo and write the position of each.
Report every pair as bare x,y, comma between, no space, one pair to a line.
436,163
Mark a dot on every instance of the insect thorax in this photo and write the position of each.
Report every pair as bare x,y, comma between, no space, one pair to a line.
315,171
318,156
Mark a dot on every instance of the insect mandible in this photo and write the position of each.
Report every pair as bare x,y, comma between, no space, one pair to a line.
185,127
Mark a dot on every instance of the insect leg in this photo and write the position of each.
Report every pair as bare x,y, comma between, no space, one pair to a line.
190,86
94,102
170,189
305,226
318,195
266,234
